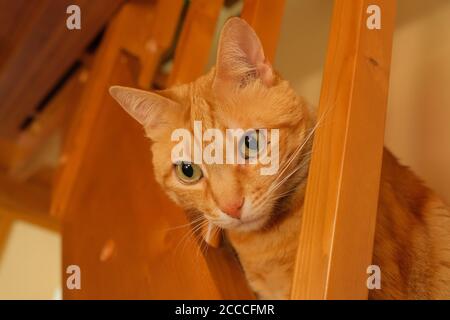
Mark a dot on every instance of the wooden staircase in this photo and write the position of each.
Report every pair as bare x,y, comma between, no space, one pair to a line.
120,228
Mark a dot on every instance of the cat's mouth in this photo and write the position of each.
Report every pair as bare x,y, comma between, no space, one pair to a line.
252,220
252,223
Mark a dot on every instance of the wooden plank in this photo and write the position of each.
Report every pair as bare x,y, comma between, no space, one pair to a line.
339,215
43,221
42,53
265,17
108,53
16,17
7,148
167,17
52,122
5,227
29,198
191,56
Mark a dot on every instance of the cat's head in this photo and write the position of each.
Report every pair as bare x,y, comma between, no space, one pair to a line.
242,93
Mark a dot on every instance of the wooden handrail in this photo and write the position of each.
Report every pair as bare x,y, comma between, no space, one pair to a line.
339,215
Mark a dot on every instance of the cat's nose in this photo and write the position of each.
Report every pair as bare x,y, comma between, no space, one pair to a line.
233,209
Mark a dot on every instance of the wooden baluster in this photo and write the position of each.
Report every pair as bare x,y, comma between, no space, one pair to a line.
265,17
195,42
166,20
339,215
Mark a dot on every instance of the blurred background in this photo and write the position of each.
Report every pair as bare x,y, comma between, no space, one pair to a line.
44,69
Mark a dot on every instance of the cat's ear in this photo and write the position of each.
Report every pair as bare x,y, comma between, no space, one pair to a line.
149,109
240,57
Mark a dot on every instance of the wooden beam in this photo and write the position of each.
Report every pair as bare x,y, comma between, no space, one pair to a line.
7,147
52,122
5,228
83,123
194,45
28,198
167,17
265,17
45,49
339,215
15,18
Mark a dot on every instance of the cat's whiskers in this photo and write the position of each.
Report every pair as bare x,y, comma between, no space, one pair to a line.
190,223
188,236
193,238
279,184
204,246
281,195
297,151
312,130
186,233
273,197
276,183
295,154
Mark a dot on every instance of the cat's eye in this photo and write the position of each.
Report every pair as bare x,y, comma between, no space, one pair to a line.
188,172
251,144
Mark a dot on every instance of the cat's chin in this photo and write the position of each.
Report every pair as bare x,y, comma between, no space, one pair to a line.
250,225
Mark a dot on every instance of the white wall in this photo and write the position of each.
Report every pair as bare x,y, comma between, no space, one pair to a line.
30,265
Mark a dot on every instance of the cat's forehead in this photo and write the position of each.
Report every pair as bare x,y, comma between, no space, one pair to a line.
251,107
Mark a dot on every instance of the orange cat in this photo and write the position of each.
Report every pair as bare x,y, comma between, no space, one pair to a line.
261,214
